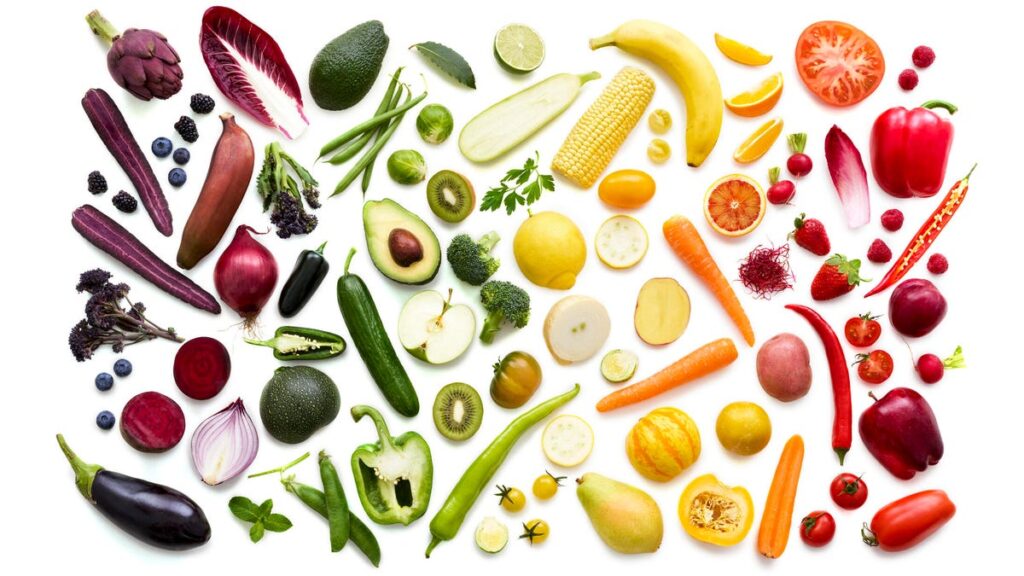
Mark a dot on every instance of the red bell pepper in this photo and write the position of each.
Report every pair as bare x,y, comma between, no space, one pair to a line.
909,149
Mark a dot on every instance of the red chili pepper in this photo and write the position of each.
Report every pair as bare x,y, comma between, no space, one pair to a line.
842,422
909,149
906,522
926,235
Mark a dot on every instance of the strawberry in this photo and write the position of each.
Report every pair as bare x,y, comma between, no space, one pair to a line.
836,277
810,234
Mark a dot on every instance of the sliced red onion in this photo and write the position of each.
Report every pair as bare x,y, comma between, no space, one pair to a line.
225,444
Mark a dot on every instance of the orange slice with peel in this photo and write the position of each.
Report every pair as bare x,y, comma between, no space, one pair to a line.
734,205
758,143
739,52
758,101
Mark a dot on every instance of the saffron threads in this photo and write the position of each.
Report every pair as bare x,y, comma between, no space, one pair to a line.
765,272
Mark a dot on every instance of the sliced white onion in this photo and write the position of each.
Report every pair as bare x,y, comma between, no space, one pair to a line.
225,444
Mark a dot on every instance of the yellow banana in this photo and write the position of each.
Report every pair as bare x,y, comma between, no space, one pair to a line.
688,67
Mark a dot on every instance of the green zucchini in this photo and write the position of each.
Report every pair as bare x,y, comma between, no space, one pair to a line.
505,125
372,342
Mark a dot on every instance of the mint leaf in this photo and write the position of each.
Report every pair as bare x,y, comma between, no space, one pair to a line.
256,532
277,523
265,508
244,509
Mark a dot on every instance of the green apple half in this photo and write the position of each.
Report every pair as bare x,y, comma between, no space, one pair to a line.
433,330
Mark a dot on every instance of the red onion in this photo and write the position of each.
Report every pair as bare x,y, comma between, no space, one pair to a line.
245,275
225,444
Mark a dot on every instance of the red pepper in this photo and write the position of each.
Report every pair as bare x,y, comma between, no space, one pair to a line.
842,422
926,235
906,522
909,149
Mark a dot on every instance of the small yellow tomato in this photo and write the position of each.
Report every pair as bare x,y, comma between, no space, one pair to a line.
626,189
545,486
511,499
536,531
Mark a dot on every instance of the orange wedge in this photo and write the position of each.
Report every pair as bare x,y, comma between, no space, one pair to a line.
734,205
758,101
739,52
759,142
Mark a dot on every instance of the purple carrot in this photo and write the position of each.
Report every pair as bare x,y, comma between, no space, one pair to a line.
115,134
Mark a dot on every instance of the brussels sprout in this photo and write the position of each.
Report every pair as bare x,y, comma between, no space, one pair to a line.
435,123
407,167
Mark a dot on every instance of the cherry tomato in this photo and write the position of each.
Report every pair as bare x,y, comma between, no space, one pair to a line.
839,63
817,528
874,367
511,499
863,331
536,531
545,486
848,491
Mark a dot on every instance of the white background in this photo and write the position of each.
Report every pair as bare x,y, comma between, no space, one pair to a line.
53,59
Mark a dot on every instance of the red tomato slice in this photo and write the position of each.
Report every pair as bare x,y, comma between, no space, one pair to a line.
838,62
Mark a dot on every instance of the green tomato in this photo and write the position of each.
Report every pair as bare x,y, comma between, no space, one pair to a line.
435,123
407,167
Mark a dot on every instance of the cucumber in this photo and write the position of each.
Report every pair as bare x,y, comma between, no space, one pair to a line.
505,125
372,342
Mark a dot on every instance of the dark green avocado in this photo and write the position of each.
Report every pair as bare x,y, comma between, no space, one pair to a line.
298,401
345,69
401,245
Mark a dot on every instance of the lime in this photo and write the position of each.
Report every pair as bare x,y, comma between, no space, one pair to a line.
618,366
518,48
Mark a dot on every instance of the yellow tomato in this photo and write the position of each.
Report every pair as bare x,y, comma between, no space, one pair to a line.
511,499
536,531
626,189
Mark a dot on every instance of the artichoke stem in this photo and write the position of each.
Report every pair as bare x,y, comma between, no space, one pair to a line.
102,27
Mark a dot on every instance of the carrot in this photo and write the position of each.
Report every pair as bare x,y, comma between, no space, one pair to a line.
701,362
685,241
778,509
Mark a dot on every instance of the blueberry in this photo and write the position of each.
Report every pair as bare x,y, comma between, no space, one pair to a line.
181,156
162,147
105,420
177,177
104,381
122,367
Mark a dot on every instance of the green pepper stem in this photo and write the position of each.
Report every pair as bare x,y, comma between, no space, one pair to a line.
281,469
102,27
348,260
84,473
968,177
320,249
382,427
932,104
434,541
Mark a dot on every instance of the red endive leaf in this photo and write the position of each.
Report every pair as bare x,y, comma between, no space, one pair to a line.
848,176
249,68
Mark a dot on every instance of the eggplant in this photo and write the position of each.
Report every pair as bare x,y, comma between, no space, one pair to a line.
155,514
310,270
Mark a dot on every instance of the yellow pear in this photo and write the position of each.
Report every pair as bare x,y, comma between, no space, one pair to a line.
625,517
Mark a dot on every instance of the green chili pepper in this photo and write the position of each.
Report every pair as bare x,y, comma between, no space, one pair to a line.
449,518
394,475
337,506
297,343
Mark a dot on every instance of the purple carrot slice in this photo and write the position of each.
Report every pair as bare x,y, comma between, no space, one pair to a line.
112,238
115,134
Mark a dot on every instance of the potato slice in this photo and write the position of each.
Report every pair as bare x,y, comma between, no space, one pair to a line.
576,328
662,311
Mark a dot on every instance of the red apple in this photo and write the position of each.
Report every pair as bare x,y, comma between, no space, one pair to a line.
901,432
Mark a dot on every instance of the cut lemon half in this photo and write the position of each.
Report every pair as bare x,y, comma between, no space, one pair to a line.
618,366
621,242
518,48
734,205
758,101
758,143
739,52
567,440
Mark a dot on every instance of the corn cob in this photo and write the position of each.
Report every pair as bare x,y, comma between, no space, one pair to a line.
597,136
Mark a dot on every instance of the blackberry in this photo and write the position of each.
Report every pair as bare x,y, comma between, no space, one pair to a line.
187,128
124,202
201,104
97,183
181,156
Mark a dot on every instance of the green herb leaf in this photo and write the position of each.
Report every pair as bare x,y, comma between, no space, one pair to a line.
266,508
244,509
447,61
277,523
519,186
492,199
256,532
511,201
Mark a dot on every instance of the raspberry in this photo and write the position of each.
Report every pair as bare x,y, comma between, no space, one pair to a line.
892,220
124,202
908,79
937,264
923,56
879,252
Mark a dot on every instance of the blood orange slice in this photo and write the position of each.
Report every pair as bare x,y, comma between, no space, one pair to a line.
734,205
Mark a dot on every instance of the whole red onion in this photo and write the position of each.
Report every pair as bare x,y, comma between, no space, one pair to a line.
916,307
245,275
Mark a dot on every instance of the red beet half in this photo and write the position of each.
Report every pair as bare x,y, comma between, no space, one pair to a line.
202,367
152,422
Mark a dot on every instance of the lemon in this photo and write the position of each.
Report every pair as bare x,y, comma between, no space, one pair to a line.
743,428
567,440
550,250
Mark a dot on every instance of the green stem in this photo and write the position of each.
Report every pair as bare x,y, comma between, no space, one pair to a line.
602,41
797,142
584,78
320,250
348,260
378,421
933,104
281,469
84,473
102,27
773,175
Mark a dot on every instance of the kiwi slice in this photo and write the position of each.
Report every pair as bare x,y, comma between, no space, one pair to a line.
458,411
450,196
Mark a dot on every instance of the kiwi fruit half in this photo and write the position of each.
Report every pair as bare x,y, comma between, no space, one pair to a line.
458,411
450,196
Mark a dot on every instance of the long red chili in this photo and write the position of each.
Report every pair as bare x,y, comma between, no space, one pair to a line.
926,235
842,422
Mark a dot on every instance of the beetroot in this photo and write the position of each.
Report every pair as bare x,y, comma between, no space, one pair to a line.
202,367
152,422
916,307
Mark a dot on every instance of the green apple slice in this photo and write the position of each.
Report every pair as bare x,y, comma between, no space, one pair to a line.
433,330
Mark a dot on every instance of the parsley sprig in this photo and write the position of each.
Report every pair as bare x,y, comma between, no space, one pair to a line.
519,186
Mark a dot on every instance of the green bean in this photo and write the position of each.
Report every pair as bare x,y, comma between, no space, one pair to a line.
337,506
371,123
392,97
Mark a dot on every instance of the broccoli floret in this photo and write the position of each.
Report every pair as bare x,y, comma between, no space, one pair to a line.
472,261
504,302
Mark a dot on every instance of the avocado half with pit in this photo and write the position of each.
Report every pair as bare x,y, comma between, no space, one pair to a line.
401,245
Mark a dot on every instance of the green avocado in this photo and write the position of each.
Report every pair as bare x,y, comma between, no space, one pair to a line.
298,401
345,69
401,245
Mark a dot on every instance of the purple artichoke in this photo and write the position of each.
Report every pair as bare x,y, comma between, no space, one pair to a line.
140,61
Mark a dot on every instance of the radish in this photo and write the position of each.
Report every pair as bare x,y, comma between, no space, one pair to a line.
799,164
781,191
931,368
